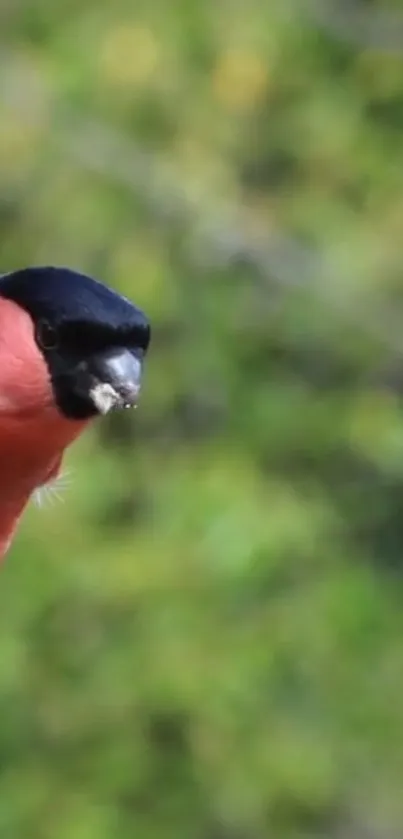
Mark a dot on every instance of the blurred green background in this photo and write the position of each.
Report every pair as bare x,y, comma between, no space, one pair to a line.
204,638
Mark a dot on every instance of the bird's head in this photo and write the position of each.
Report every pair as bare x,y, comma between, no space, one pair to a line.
67,343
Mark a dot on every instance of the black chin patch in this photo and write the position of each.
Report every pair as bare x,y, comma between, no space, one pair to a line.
70,386
73,406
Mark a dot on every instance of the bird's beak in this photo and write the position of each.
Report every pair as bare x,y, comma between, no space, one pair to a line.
117,379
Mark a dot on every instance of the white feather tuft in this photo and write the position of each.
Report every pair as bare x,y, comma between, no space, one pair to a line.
52,492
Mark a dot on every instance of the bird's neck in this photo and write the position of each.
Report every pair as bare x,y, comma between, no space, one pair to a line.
31,451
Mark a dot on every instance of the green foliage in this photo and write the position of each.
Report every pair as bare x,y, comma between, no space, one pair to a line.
205,640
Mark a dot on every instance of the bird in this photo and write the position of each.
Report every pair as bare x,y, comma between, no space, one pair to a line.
71,349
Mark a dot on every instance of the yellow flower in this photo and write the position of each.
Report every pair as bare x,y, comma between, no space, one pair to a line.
129,56
240,79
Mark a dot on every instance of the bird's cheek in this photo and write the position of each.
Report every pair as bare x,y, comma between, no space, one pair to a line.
25,384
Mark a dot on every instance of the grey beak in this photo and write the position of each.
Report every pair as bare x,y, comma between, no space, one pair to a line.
117,379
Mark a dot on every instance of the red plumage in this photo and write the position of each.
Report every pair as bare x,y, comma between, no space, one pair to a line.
33,433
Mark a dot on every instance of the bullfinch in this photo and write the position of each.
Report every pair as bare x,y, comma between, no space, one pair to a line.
71,349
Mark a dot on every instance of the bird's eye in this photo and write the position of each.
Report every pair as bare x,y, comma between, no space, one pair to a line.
46,335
